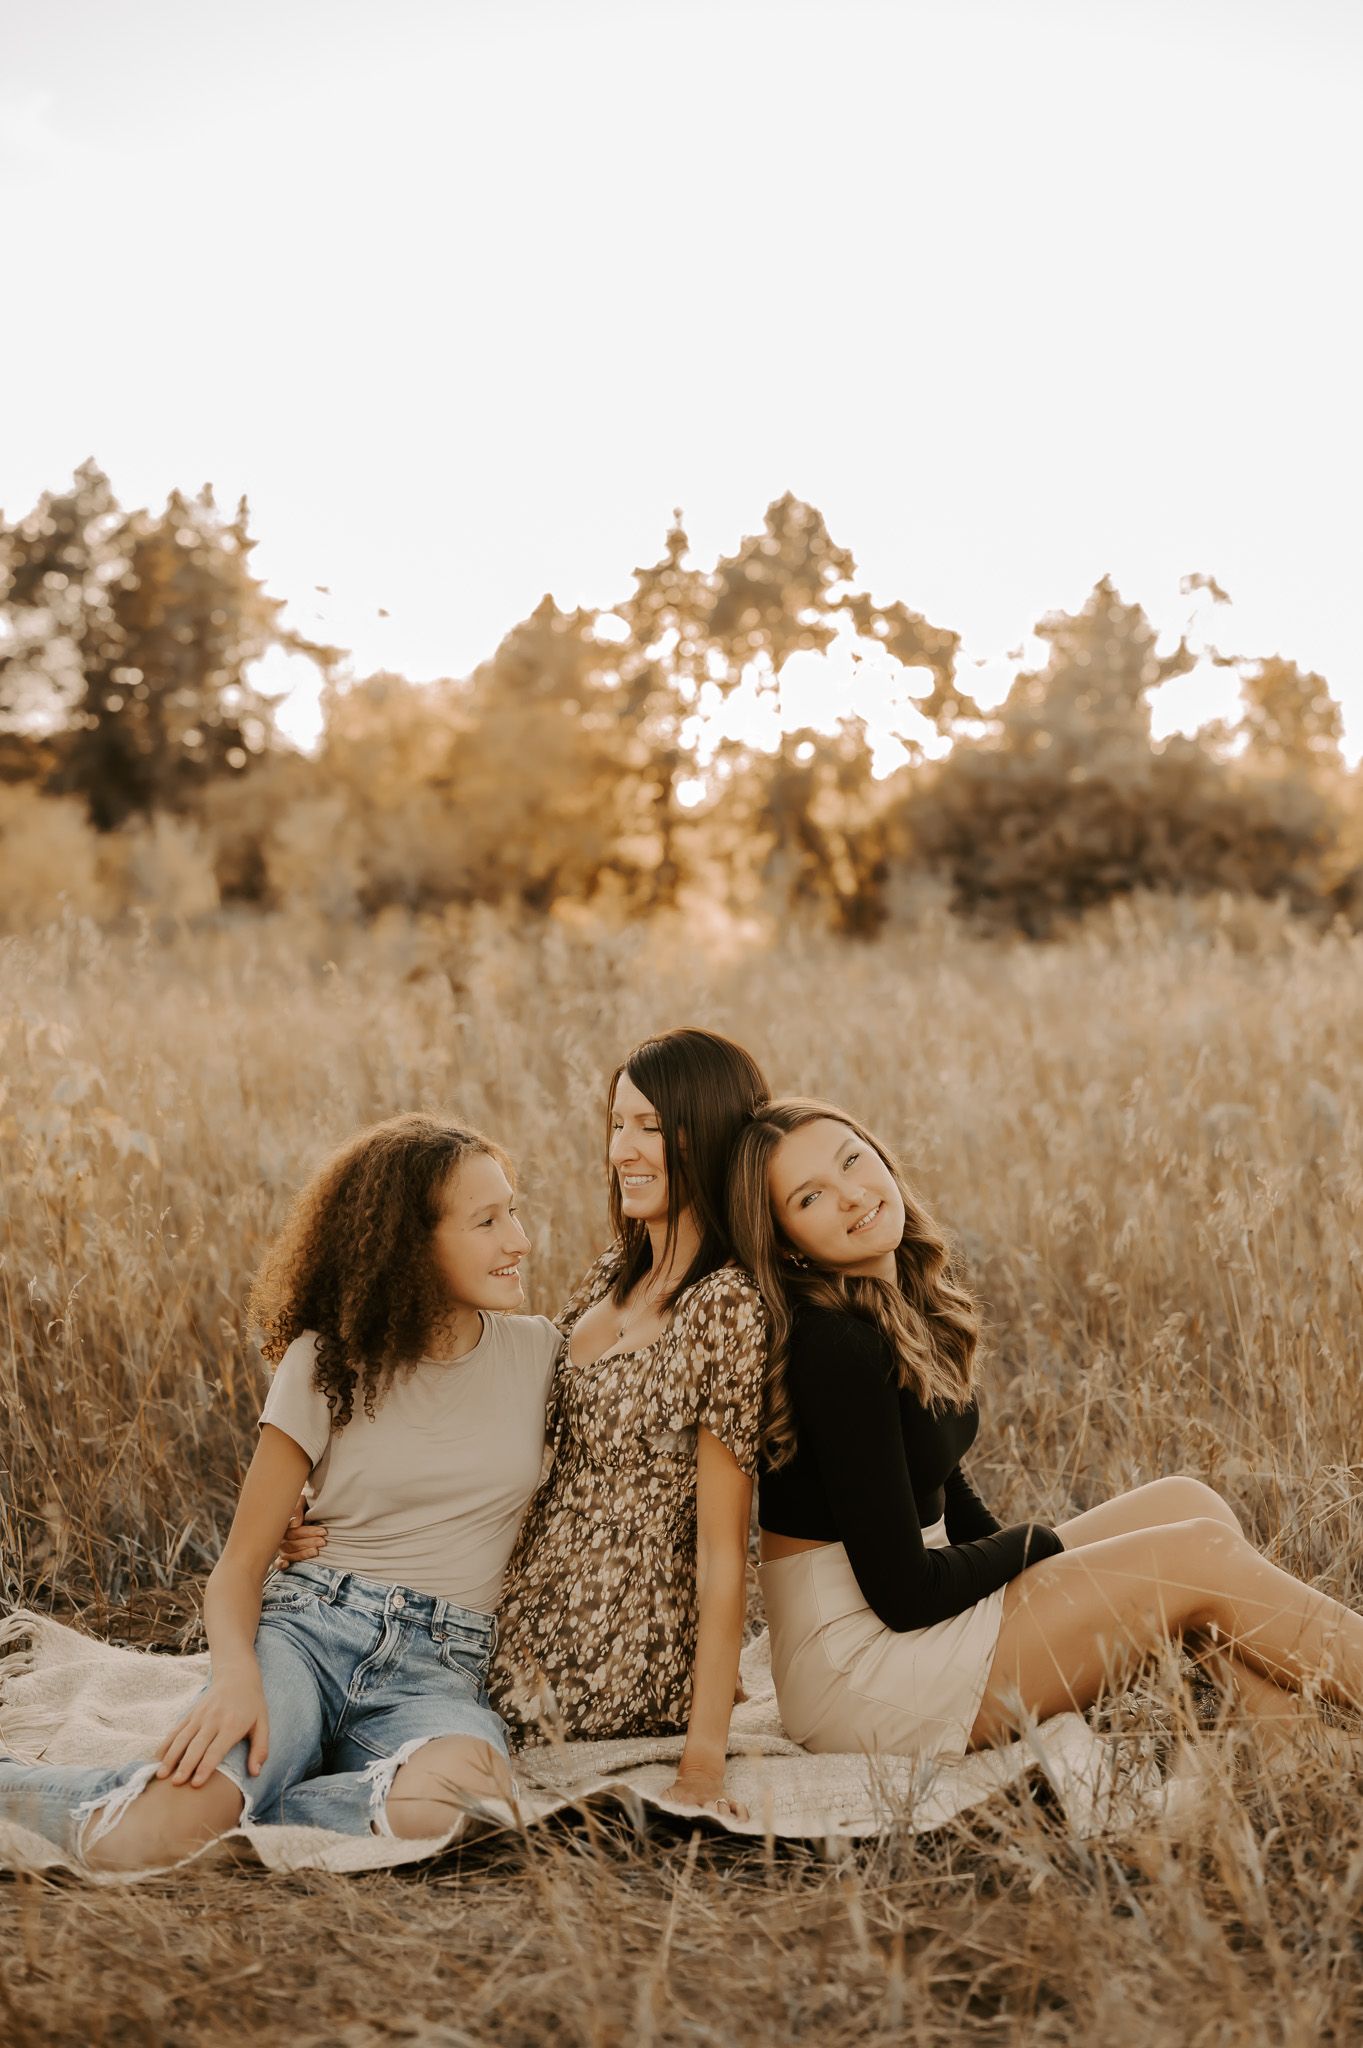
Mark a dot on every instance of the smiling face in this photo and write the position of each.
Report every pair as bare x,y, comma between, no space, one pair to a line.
478,1243
836,1200
637,1154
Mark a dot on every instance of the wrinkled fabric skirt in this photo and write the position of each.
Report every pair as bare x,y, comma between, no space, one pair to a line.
846,1682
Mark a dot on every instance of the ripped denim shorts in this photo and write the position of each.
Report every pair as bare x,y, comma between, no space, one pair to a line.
357,1675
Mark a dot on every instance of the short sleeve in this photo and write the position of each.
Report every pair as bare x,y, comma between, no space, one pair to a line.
546,1346
718,1360
295,1403
598,1279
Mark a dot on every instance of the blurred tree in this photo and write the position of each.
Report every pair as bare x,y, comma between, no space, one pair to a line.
556,772
545,767
56,570
384,738
1289,717
1230,825
663,664
387,770
784,591
908,638
134,634
1090,705
1051,809
779,593
26,757
696,635
827,835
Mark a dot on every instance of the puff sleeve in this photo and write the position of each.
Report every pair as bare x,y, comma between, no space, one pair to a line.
718,1361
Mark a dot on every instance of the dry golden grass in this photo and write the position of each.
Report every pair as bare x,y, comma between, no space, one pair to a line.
1148,1143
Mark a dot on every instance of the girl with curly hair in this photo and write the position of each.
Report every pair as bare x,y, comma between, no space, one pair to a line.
903,1618
626,1593
353,1694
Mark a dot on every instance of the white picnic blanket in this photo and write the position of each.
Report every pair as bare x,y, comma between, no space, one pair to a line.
66,1697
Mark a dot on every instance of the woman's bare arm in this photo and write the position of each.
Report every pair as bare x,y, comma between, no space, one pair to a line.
723,1507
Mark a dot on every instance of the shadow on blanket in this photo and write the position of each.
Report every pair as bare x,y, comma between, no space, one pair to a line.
69,1698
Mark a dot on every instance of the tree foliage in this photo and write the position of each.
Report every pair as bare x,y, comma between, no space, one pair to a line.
137,632
1063,801
572,765
1290,720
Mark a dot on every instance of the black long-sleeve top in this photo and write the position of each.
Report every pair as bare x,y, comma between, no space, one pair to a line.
873,1468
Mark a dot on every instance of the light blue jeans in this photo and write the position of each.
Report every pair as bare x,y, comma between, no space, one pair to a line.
357,1675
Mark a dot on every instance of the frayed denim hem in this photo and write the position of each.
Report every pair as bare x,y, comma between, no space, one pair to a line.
93,1819
380,1775
379,1778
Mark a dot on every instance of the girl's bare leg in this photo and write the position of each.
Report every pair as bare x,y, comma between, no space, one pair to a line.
1147,1507
444,1776
1184,1499
166,1823
1077,1623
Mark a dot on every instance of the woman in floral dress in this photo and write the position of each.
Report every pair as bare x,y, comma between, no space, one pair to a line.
623,1606
600,1619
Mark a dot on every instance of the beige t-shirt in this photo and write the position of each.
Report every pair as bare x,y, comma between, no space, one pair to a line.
430,1493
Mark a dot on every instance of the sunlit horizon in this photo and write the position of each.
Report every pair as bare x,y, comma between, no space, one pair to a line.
820,691
466,298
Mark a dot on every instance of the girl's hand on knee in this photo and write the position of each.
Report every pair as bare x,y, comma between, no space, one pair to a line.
232,1710
302,1539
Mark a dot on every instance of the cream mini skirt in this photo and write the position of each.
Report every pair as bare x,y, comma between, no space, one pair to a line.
846,1682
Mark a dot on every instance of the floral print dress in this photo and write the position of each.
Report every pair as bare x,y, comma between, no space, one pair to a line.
598,1622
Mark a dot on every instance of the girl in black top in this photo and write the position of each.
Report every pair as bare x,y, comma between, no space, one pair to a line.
903,1616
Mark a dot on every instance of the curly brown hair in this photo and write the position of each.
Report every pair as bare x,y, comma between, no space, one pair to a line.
930,1320
353,1263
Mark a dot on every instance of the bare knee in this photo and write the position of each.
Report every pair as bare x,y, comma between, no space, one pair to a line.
1194,1561
1188,1500
430,1793
1202,1536
163,1824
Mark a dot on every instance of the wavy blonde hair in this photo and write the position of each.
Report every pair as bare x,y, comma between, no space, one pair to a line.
928,1318
353,1260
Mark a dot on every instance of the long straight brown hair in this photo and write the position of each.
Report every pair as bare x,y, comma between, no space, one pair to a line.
928,1318
704,1088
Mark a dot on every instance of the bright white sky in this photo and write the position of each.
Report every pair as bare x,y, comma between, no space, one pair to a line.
468,296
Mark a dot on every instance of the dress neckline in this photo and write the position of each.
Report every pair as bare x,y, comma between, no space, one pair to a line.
601,1356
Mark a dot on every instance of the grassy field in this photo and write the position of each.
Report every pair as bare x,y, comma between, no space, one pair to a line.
1149,1143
